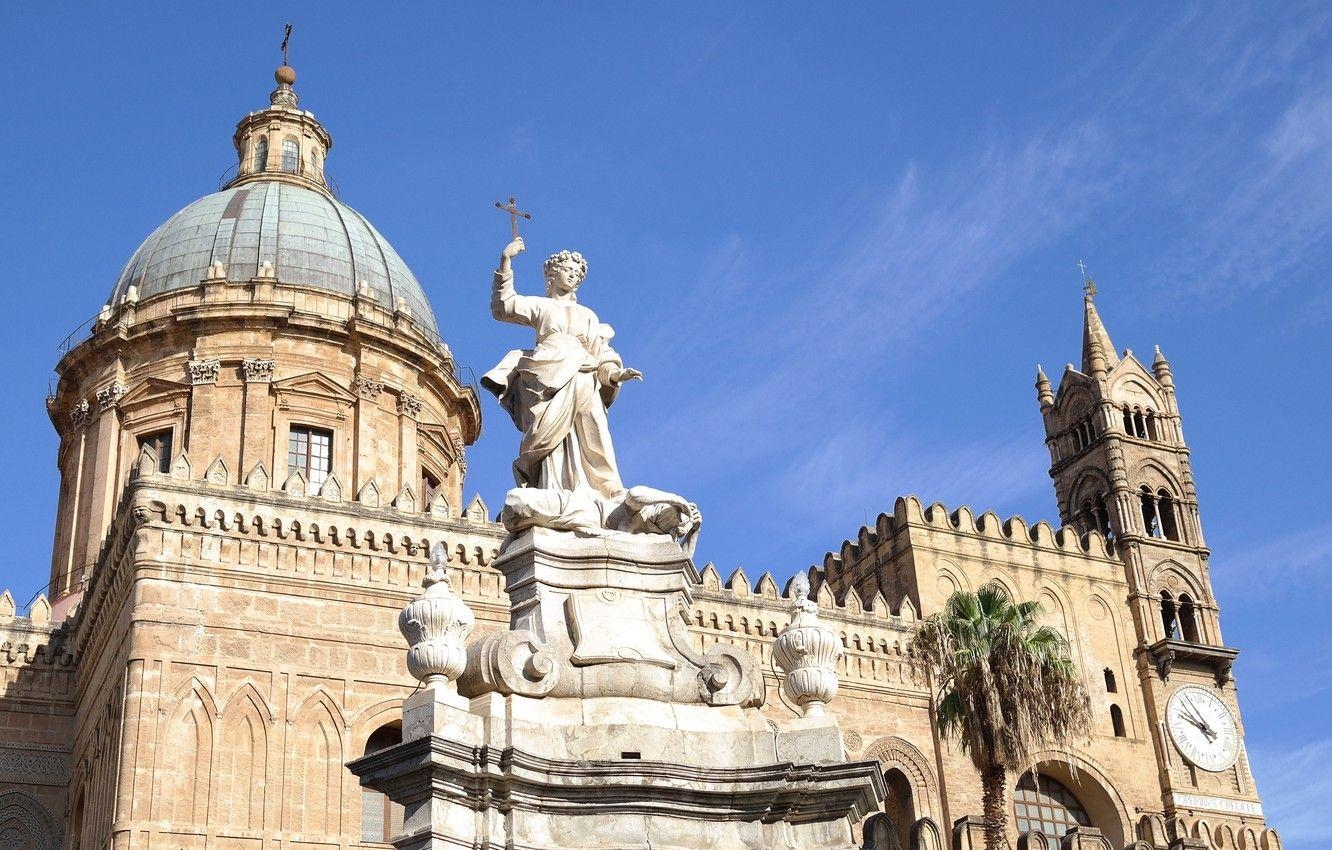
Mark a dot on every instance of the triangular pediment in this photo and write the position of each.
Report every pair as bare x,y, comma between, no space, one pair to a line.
314,384
151,390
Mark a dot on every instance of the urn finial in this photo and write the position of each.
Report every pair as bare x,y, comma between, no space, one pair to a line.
807,651
436,625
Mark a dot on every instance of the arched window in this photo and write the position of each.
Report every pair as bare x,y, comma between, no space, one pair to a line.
1165,511
1103,518
1188,619
1128,421
1139,423
1117,721
291,156
261,154
898,804
1151,523
1169,621
1046,805
381,818
1153,429
1110,685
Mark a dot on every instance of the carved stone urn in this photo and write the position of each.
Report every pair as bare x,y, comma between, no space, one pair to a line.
807,652
436,625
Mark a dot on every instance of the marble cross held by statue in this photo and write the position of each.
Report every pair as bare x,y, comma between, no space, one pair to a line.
514,213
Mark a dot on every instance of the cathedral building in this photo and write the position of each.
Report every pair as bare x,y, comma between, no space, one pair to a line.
263,436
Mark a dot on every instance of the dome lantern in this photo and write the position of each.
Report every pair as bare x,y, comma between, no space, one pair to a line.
282,142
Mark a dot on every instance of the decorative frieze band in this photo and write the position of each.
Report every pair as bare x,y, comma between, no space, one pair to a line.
409,405
204,371
1218,804
257,370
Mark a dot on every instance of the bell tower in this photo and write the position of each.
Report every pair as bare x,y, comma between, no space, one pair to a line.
1122,470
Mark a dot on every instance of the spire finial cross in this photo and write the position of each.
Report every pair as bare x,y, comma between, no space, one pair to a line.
514,213
1088,285
286,37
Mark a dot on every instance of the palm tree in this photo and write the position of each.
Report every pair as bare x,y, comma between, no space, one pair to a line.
1007,688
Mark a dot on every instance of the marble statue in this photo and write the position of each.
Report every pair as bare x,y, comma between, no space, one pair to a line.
558,393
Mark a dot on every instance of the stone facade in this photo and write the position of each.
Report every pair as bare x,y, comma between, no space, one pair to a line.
222,635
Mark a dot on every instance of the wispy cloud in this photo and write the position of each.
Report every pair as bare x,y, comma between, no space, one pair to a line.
1279,565
1296,787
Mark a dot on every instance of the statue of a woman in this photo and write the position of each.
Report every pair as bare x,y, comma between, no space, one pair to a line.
557,393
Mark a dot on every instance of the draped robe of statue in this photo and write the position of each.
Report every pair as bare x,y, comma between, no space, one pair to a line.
558,392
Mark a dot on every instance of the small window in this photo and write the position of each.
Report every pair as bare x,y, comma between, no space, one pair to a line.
1165,510
261,155
1110,687
1188,619
160,444
1169,618
1117,721
381,818
429,484
311,451
291,156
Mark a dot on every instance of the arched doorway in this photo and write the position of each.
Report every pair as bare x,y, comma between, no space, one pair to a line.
899,805
1057,796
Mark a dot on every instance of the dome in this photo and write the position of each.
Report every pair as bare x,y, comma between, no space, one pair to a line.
310,237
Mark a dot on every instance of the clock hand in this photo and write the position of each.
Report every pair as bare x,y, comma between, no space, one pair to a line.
1206,727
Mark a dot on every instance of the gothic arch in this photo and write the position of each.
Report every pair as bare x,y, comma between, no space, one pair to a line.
1091,482
243,761
895,752
21,811
1172,576
949,579
1007,582
1154,473
1090,782
184,755
1059,611
315,755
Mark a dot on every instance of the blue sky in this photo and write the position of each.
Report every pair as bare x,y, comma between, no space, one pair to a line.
837,240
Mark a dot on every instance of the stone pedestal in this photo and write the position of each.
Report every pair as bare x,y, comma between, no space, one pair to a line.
593,724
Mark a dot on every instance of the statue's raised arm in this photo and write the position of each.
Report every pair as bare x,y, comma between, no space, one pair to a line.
558,394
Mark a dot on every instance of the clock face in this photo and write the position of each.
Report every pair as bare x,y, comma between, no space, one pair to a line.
1203,728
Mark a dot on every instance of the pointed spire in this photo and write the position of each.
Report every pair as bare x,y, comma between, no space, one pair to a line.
1161,367
1043,394
1098,351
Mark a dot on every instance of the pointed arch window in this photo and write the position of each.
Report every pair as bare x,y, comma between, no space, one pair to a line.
1151,521
1169,616
1188,619
1110,685
1166,513
1153,427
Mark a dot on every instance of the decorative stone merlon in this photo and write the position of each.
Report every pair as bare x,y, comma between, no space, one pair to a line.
409,405
366,388
110,396
436,626
79,415
204,371
807,651
257,370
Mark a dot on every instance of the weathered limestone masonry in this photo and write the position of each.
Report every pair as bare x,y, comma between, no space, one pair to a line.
262,459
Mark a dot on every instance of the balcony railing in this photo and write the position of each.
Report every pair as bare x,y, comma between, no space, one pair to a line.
279,164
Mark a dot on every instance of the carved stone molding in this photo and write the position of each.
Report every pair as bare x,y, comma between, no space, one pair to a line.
110,397
204,371
409,405
79,415
367,389
258,370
